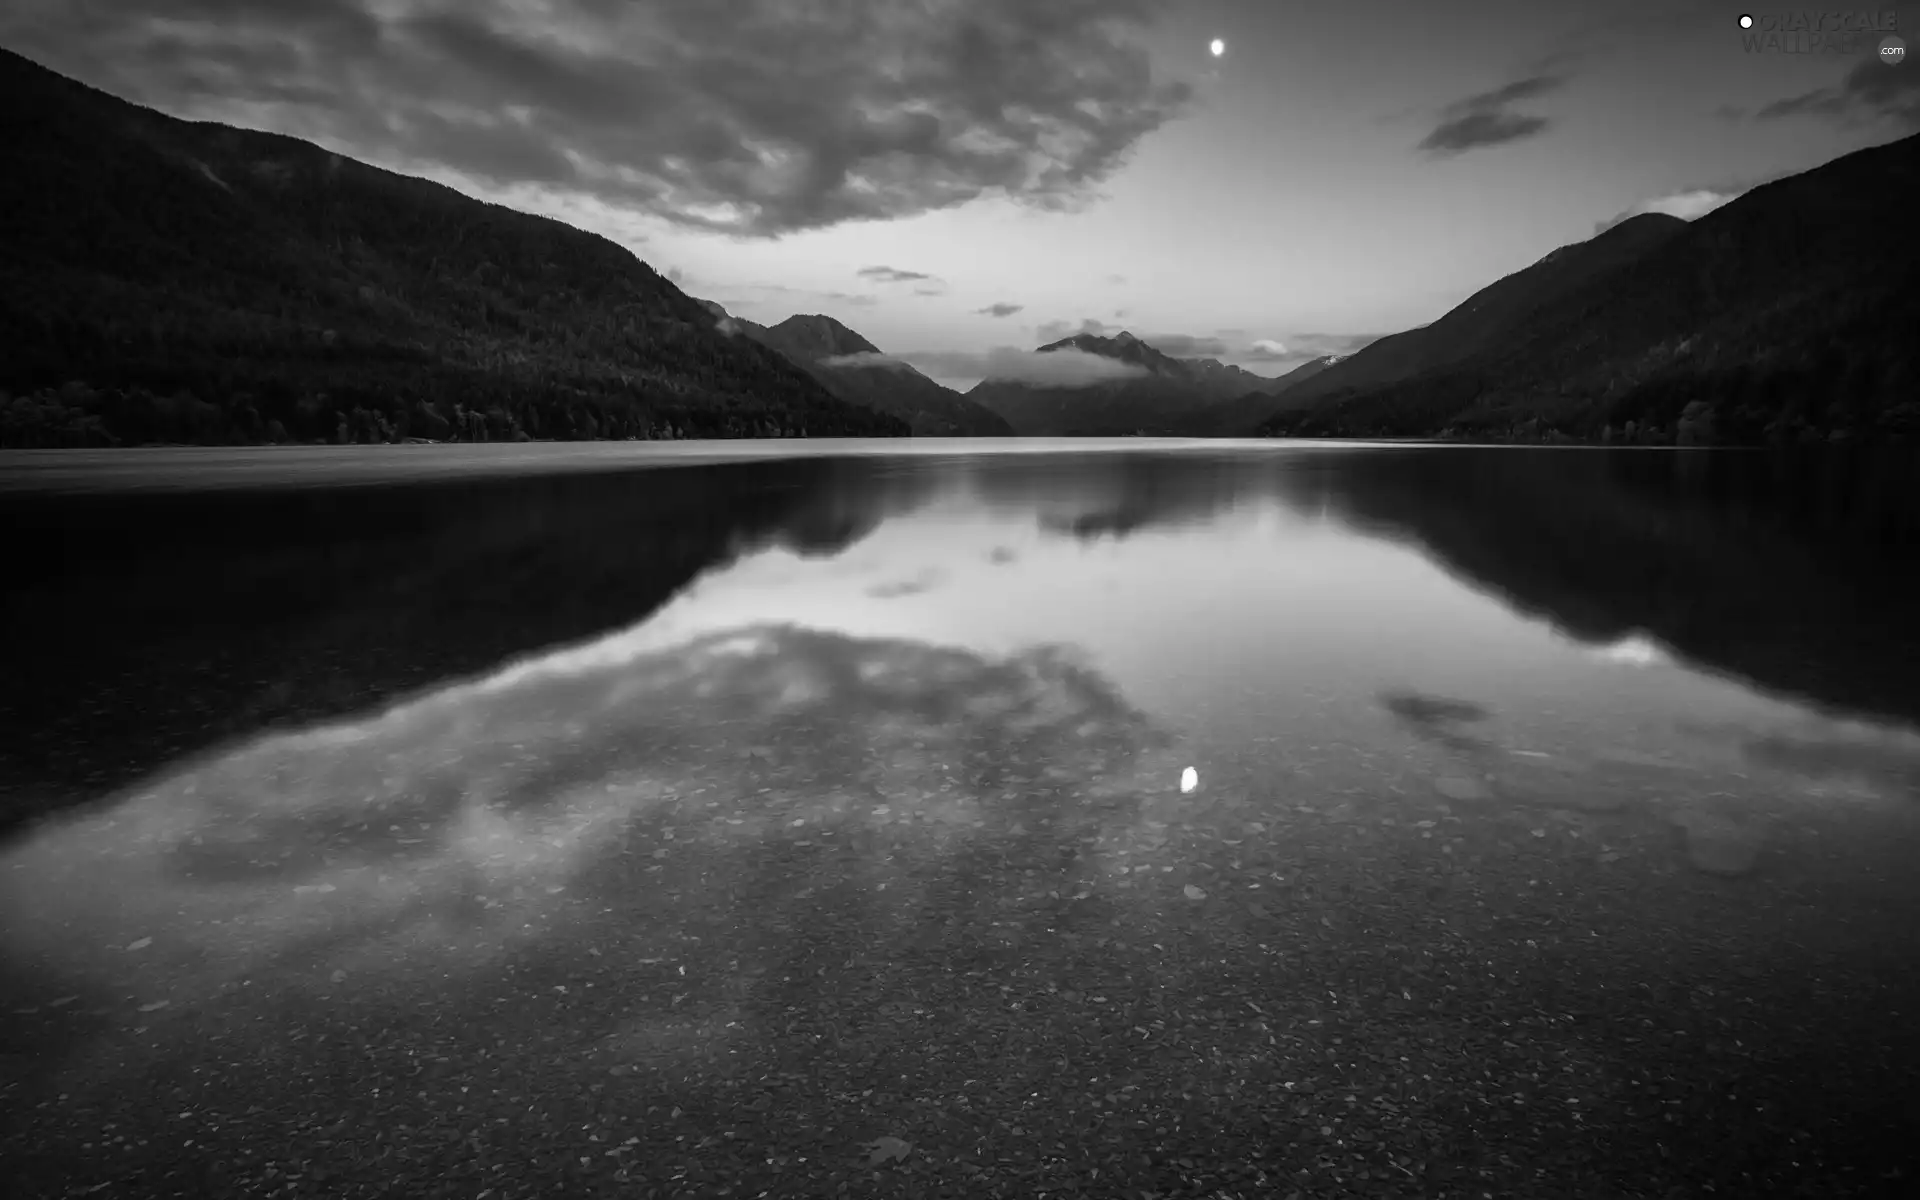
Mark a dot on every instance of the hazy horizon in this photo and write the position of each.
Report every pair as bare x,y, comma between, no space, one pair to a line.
960,180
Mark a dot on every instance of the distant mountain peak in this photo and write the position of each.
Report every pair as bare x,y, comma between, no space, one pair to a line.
821,336
1122,345
1646,220
811,321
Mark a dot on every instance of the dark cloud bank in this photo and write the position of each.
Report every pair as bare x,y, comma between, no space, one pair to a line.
755,117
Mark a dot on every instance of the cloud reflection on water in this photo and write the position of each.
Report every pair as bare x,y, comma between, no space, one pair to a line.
624,790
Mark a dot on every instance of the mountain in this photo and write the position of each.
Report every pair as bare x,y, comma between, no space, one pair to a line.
870,379
1228,380
1166,395
1307,370
172,281
1239,415
1491,318
1784,315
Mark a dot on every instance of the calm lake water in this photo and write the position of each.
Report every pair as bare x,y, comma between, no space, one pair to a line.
1252,819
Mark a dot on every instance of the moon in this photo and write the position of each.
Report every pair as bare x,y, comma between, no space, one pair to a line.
1216,47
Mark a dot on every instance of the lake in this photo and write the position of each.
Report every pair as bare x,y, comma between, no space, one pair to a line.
1107,819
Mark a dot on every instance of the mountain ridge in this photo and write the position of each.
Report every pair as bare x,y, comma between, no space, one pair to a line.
1784,315
169,281
1237,416
1494,311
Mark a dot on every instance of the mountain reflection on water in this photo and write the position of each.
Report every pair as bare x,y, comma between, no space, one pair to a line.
656,776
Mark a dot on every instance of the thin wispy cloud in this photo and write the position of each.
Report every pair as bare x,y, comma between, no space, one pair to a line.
1490,118
1186,345
1686,204
751,117
868,358
890,274
1301,347
1065,367
1053,331
1870,92
1002,309
780,295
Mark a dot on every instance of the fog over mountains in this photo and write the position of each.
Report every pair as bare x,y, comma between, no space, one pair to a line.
855,370
1146,392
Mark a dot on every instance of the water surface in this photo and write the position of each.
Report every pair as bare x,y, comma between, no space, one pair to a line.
808,822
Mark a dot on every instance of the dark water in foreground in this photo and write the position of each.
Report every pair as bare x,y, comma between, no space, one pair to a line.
816,827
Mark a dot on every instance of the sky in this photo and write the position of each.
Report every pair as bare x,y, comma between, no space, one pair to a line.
957,178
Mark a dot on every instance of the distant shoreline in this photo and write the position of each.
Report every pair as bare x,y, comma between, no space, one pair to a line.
221,468
296,465
214,468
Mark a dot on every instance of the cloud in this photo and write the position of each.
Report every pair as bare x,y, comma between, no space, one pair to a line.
1066,367
780,289
950,364
1055,368
1002,309
935,290
1053,331
1186,345
1687,204
868,358
890,274
753,117
722,320
676,276
1871,91
1300,347
1488,120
